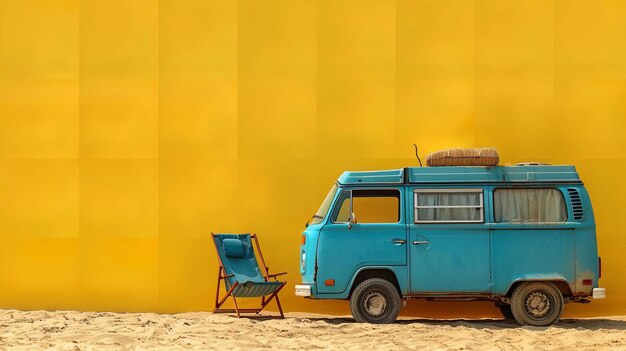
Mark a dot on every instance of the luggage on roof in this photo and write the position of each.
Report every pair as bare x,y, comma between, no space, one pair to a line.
484,156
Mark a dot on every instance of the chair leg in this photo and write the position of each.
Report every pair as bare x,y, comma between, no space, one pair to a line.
274,295
236,307
230,291
280,309
219,280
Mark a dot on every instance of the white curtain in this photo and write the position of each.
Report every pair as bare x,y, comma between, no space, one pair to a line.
529,205
472,213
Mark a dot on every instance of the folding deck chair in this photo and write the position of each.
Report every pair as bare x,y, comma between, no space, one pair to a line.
239,268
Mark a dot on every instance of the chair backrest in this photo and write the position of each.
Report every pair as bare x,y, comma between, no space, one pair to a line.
236,254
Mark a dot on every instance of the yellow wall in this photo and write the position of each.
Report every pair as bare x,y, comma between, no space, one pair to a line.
130,129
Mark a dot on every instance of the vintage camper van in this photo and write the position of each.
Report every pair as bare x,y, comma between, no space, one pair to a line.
522,236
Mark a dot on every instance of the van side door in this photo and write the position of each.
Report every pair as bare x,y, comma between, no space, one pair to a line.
449,244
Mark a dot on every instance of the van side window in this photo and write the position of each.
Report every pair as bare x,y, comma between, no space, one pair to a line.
529,205
448,205
370,206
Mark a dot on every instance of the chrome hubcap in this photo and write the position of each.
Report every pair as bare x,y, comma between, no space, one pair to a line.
374,303
537,304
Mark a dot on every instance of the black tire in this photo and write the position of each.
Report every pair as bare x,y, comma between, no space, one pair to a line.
505,310
375,301
538,304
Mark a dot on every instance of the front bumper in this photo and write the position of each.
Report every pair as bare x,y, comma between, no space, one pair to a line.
303,290
599,293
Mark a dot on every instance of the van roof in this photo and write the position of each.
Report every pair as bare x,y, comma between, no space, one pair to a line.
456,174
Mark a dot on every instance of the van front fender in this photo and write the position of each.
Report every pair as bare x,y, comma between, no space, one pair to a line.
394,274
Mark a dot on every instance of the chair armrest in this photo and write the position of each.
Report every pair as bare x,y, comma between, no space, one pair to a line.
227,276
276,274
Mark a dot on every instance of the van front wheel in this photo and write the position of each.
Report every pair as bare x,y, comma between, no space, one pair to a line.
537,303
375,301
505,310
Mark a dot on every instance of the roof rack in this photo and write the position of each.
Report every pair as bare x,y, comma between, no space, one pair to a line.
534,173
532,164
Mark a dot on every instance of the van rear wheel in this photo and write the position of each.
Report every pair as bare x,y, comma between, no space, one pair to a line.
375,301
537,303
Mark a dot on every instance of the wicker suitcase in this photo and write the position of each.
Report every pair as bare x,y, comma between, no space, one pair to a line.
484,156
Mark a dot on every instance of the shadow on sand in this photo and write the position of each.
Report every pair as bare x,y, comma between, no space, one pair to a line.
580,324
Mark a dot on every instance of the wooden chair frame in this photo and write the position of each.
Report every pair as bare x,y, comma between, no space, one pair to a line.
265,300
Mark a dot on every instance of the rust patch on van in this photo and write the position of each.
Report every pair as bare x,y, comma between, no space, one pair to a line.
583,289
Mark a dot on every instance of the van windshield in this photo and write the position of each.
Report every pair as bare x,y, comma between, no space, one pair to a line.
321,212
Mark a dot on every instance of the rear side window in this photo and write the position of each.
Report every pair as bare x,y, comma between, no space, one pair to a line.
448,206
529,205
370,206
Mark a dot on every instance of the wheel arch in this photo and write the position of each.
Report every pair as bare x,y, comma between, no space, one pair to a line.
561,283
374,272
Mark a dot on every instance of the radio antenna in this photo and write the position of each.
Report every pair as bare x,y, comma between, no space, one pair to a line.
418,156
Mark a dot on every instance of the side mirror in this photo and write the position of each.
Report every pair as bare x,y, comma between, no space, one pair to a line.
351,220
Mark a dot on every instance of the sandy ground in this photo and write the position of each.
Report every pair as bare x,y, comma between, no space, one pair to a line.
68,330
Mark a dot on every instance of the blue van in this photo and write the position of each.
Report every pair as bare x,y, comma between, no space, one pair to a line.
522,236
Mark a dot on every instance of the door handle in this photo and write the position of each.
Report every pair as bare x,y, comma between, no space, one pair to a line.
421,242
398,241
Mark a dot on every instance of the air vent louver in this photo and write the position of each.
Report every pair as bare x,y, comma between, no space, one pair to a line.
577,204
